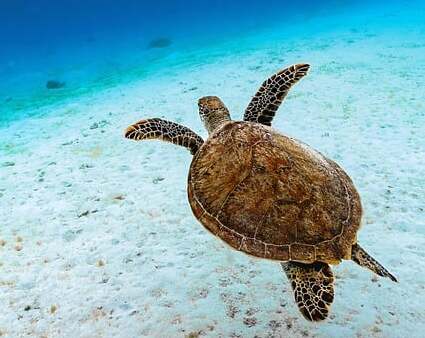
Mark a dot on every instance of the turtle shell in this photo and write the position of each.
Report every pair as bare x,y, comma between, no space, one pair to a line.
272,196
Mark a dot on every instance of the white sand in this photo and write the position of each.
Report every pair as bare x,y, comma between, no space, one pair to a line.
140,265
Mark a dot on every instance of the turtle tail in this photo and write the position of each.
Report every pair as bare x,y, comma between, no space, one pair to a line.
362,258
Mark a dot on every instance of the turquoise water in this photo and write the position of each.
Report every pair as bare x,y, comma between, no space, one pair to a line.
96,45
99,44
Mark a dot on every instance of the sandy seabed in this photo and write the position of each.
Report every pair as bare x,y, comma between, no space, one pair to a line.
97,238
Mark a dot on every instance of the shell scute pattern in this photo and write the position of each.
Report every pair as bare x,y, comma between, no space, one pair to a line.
264,194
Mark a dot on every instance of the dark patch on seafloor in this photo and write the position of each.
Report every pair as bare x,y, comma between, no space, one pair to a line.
54,84
160,43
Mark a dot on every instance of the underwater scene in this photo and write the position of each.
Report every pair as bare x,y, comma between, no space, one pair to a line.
212,168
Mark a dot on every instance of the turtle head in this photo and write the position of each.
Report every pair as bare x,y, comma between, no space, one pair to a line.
213,112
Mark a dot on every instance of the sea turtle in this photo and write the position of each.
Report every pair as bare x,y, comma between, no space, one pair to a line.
270,195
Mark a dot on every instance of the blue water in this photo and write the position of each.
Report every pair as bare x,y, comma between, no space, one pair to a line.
90,45
95,44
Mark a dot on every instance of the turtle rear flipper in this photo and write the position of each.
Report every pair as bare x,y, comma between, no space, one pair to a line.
156,128
313,286
362,258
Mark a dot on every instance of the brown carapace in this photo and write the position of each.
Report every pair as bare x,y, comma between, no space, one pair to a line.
269,195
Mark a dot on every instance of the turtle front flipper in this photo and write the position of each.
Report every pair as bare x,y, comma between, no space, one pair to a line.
362,258
270,95
156,128
313,286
